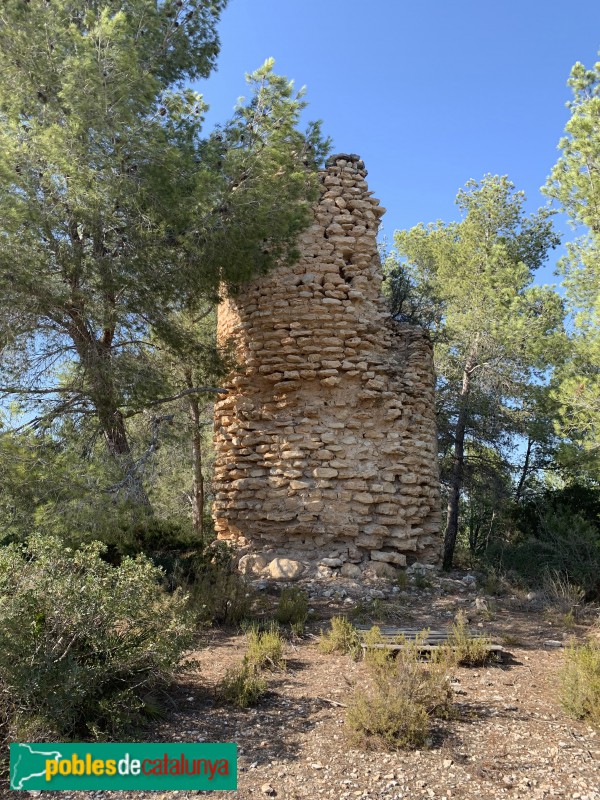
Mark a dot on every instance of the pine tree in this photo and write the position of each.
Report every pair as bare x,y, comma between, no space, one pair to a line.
115,213
574,184
469,283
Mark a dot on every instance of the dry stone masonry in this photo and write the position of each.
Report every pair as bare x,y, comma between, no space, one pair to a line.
326,443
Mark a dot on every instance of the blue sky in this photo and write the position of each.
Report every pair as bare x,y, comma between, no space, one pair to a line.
430,94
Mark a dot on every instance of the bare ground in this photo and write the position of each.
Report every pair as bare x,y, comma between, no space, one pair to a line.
510,739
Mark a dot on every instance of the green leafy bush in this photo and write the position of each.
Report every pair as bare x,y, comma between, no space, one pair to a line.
243,684
557,533
391,720
83,643
580,682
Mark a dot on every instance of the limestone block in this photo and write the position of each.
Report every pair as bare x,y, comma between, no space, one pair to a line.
325,472
381,569
285,569
252,564
331,562
389,556
351,571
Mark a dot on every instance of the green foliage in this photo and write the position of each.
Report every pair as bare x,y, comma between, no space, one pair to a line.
391,720
466,649
83,643
572,183
341,638
404,695
243,685
469,284
292,607
557,532
218,594
265,648
402,581
421,581
580,682
120,221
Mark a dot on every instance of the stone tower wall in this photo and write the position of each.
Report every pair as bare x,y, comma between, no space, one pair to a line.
326,443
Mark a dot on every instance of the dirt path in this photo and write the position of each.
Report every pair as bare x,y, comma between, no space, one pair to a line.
511,738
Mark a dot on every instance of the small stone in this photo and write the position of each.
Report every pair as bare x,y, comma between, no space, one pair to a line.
389,557
267,789
331,562
323,571
350,571
325,472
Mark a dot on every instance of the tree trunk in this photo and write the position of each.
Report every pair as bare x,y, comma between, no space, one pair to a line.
458,462
198,486
524,471
95,356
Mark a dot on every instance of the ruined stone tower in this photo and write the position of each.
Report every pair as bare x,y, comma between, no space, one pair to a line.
326,445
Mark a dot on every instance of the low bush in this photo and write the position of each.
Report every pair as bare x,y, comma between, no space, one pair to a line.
83,643
561,593
204,571
580,682
265,648
391,720
466,649
292,608
342,637
402,698
243,685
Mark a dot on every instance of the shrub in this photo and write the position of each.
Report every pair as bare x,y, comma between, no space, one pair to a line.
465,649
341,638
83,643
402,581
243,685
218,593
580,682
561,592
265,648
558,532
421,581
219,596
292,608
403,696
202,570
389,720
